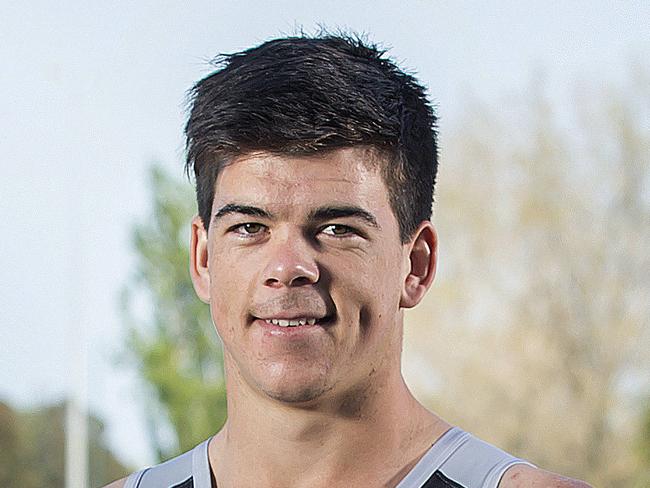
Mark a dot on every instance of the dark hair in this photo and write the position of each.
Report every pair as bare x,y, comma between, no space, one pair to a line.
301,95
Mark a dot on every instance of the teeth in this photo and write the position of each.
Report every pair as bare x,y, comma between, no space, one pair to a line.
292,322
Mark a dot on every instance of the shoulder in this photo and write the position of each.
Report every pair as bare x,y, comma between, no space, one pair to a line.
117,484
524,476
180,471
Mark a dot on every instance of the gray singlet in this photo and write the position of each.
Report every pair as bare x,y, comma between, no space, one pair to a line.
456,460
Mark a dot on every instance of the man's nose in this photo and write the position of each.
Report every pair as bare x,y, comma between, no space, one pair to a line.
292,263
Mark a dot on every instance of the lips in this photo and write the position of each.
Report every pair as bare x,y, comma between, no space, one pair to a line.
293,311
292,322
295,321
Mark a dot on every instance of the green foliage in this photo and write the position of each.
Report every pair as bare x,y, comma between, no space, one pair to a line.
643,446
9,446
32,449
176,349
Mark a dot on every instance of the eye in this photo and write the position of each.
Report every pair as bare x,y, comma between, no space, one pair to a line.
248,229
338,230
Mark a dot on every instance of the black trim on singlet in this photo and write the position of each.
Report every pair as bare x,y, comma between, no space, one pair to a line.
188,483
439,480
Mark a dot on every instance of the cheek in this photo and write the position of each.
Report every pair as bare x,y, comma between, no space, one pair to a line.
230,272
384,277
229,288
372,287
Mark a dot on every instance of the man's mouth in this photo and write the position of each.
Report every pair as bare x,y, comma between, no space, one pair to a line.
292,322
296,320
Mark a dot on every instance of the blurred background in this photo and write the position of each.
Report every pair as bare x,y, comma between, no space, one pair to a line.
536,334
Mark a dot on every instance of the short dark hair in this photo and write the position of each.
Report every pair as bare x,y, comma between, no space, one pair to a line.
302,95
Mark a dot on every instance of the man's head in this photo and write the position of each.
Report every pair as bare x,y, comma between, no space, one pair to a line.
315,163
302,96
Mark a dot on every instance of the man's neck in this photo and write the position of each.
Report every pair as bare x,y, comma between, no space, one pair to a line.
267,443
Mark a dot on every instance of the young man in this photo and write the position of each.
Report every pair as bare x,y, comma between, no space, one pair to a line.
315,161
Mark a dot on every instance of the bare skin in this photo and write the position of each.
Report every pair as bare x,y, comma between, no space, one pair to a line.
322,404
320,447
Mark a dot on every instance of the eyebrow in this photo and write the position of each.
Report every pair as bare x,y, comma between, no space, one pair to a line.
233,208
328,213
319,214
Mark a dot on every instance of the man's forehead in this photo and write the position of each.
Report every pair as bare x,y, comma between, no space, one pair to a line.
276,212
294,207
300,184
348,165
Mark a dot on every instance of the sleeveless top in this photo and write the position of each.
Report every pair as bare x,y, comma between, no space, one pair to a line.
456,460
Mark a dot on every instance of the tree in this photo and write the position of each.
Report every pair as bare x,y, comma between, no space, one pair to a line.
541,316
175,349
643,446
9,446
32,449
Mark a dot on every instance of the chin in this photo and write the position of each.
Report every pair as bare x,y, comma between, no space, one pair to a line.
296,388
296,396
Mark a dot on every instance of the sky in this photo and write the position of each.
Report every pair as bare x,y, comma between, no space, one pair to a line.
91,93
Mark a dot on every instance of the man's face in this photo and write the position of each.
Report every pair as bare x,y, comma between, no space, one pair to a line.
306,271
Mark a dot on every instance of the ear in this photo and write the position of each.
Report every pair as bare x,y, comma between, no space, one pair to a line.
199,259
421,266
